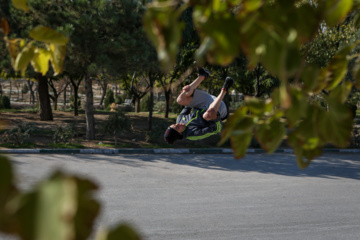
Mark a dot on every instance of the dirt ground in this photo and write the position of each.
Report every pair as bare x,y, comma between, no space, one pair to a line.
135,138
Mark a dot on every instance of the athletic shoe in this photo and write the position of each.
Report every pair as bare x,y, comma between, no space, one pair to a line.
228,83
204,72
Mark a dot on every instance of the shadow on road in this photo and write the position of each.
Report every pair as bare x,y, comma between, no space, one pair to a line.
328,166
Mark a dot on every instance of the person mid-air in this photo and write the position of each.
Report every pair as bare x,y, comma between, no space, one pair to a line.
208,111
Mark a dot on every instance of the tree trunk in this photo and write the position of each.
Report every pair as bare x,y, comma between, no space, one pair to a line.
10,90
55,101
89,109
44,99
65,97
137,105
167,103
76,99
151,107
75,89
104,88
32,94
55,93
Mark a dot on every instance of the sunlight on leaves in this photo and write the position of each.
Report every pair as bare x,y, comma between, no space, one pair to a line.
21,5
24,57
57,53
40,61
270,135
341,92
48,35
336,10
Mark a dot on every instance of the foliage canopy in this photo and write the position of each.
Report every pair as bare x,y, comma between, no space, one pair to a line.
272,33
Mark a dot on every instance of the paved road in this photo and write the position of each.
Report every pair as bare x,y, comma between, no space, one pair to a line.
182,197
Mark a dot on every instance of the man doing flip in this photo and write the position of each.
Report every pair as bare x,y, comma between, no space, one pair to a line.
208,111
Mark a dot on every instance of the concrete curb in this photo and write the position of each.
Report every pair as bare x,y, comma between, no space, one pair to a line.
156,151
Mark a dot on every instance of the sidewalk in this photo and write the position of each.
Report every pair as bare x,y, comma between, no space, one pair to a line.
157,151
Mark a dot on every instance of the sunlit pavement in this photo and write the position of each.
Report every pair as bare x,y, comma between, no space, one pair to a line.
214,196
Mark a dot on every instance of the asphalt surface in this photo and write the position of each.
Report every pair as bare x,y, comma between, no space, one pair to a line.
214,196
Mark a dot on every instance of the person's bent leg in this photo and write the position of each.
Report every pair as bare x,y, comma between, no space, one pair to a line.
211,113
186,94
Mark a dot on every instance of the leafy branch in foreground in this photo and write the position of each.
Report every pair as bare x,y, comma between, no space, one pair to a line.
272,33
61,207
46,45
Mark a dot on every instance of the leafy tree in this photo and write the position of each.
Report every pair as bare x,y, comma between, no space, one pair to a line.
109,98
46,46
271,33
116,123
5,102
57,86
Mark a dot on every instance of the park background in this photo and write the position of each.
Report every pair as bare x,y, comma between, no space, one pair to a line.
110,52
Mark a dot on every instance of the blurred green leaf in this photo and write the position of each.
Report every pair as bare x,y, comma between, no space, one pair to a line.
270,135
335,126
224,40
241,136
21,5
298,107
40,61
13,48
305,139
356,74
338,67
8,191
306,26
161,22
303,155
240,142
48,35
341,92
24,57
121,232
251,5
232,122
310,77
62,205
255,105
238,128
57,53
321,81
4,26
336,10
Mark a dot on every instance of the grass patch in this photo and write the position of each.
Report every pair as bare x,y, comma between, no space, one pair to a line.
22,110
122,145
45,132
69,146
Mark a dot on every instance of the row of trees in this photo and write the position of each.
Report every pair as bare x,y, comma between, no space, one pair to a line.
309,45
107,42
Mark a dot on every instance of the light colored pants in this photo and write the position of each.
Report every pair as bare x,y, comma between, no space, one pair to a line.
203,100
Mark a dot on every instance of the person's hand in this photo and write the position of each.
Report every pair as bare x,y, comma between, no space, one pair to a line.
210,114
186,88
